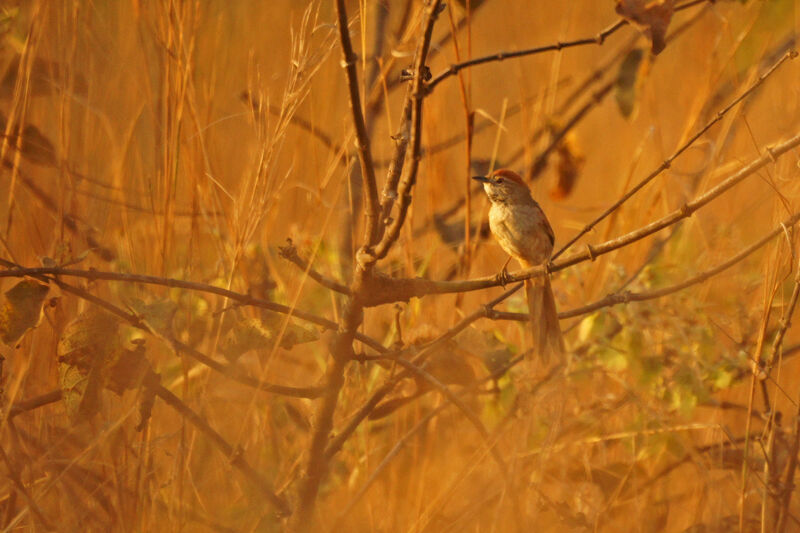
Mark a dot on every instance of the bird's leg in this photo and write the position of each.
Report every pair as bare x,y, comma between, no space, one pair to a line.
502,277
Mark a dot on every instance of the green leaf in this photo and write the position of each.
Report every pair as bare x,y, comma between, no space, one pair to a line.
245,335
22,309
156,315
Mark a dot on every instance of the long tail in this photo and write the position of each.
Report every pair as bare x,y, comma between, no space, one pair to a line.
547,339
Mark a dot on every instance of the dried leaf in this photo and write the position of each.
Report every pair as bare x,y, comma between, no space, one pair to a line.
650,17
570,163
627,82
88,346
22,309
91,357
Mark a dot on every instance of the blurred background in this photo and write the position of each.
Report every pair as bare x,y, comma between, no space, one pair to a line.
191,139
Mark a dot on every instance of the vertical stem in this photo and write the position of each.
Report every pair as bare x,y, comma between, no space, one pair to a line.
362,137
342,352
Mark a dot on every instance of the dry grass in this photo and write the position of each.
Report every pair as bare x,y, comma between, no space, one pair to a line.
161,167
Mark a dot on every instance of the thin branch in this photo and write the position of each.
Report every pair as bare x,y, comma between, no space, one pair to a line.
413,150
627,296
787,486
189,285
416,429
388,290
598,39
23,406
226,370
541,160
235,456
668,161
786,319
623,296
454,69
419,355
16,479
289,252
362,138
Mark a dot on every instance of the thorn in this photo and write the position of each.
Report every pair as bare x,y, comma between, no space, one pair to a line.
591,252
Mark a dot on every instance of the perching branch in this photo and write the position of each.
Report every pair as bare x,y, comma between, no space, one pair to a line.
668,161
624,296
391,290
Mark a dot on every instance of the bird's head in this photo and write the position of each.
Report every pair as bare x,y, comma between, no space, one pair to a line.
505,186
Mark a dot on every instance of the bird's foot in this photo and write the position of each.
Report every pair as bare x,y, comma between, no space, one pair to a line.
503,277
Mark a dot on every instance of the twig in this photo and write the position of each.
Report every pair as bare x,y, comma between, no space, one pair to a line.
623,296
627,296
227,371
541,160
362,138
182,284
598,39
13,474
453,69
23,406
235,456
787,486
289,252
363,412
668,161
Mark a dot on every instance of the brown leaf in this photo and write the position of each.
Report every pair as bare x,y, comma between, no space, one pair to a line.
570,163
89,345
22,309
651,17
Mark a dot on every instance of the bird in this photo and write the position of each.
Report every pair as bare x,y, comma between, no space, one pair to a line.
522,230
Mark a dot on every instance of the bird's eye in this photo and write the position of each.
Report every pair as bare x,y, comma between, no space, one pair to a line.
499,180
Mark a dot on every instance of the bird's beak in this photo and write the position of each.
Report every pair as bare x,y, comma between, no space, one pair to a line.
482,179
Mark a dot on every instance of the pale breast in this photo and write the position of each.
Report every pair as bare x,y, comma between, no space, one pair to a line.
522,231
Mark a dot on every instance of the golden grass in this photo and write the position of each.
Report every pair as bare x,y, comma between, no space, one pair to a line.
160,161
